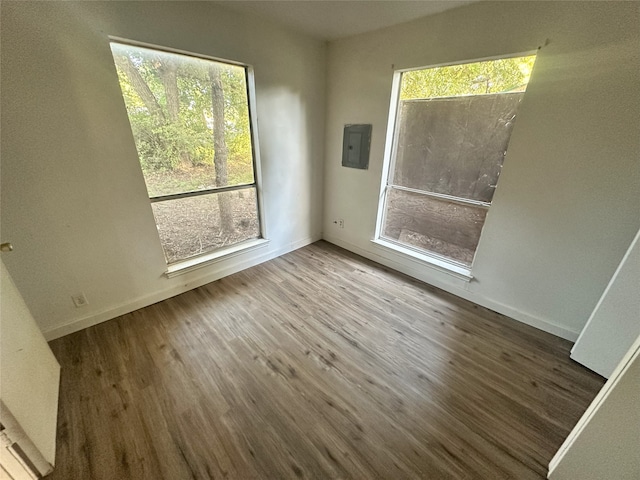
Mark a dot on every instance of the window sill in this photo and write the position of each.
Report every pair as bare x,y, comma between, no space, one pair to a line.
191,264
439,264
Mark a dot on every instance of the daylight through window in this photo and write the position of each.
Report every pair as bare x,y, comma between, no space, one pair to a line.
451,131
190,120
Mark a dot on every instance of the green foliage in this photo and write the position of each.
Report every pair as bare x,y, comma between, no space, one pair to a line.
237,129
186,144
494,76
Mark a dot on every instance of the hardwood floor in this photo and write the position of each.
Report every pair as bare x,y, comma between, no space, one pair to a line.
318,364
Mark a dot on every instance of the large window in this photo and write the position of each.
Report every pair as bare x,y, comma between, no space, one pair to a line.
191,123
450,128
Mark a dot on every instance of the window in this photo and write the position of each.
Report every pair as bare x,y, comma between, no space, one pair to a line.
450,128
191,123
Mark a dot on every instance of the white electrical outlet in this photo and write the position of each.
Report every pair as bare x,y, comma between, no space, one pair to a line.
341,223
79,300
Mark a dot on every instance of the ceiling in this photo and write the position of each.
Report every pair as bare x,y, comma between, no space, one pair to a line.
329,20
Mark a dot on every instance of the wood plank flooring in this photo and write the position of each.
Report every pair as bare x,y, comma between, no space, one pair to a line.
318,364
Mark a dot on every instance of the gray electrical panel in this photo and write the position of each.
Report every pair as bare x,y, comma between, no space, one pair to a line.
355,146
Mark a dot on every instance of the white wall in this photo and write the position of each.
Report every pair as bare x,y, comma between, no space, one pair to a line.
605,442
74,202
566,207
29,373
615,321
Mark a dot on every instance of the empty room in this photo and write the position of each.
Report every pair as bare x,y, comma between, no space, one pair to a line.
320,239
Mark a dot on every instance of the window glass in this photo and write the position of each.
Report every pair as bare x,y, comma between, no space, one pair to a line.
455,145
195,225
190,119
451,132
436,225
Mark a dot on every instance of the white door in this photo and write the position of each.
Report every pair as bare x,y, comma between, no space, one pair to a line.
29,382
615,322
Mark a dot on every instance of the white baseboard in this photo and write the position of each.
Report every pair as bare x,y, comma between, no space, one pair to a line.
242,262
483,301
255,259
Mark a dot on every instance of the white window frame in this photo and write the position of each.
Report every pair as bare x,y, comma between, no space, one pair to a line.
191,263
430,259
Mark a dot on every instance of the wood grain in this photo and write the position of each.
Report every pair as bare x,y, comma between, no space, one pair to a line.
318,364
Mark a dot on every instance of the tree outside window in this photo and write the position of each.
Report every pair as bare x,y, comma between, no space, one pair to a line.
190,120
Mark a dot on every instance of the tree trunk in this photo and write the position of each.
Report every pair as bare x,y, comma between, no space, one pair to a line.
140,86
220,148
168,72
169,75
